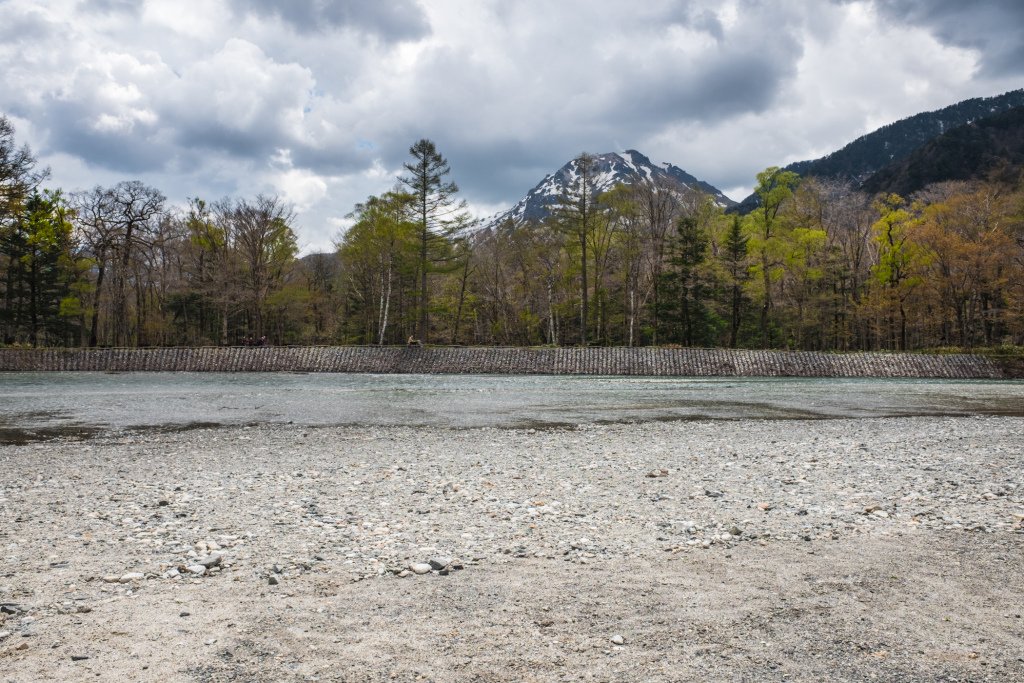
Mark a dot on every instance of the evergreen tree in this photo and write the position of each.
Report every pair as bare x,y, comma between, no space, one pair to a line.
683,305
438,214
41,269
734,256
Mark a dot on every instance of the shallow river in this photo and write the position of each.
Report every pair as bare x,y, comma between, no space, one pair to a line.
51,403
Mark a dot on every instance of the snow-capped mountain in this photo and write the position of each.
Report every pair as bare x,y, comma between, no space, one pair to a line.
612,169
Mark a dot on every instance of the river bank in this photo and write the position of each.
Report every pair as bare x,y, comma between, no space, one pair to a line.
763,550
638,361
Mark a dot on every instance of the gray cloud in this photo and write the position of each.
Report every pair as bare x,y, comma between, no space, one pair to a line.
993,27
131,7
391,21
72,131
320,100
31,26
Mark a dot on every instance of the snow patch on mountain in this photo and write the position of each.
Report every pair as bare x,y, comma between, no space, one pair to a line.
614,168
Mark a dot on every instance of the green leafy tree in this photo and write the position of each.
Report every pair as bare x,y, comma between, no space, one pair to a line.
379,256
774,187
898,258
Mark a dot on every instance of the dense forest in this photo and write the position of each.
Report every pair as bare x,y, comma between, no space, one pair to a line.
818,265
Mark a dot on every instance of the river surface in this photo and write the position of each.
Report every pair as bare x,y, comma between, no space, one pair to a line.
51,403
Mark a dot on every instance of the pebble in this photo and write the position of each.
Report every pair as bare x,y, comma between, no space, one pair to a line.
618,639
211,560
439,562
495,496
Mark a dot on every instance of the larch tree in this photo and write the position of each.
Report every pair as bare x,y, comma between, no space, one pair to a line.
379,252
774,187
576,215
899,257
438,215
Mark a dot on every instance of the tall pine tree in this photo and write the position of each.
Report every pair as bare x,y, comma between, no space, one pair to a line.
437,214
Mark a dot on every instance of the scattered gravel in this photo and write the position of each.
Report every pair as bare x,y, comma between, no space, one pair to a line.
312,553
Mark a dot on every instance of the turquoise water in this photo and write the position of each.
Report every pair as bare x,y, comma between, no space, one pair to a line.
96,401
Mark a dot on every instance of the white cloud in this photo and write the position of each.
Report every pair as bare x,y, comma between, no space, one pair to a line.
319,101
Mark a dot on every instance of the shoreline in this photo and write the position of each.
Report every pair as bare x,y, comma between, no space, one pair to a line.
627,361
801,550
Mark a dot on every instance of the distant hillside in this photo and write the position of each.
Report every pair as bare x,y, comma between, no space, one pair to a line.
612,168
972,151
870,153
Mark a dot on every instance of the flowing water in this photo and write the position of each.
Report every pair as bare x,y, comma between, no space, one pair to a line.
44,404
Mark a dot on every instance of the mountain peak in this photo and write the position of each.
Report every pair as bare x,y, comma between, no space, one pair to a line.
610,169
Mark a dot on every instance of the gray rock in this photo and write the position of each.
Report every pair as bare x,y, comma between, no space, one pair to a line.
196,569
439,562
420,568
211,560
131,576
273,580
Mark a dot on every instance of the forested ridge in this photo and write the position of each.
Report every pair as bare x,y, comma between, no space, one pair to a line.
818,265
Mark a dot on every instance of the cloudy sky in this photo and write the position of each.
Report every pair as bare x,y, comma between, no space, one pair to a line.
319,100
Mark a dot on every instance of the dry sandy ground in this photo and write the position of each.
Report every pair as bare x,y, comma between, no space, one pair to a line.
842,550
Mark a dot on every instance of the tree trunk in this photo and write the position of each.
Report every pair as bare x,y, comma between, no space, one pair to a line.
734,328
462,299
765,336
93,336
584,301
385,306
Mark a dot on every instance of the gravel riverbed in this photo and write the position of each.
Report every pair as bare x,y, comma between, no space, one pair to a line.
849,549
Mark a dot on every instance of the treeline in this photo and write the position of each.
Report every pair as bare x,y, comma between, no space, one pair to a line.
817,266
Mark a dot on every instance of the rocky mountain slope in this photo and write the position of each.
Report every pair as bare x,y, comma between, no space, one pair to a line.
612,169
895,142
993,145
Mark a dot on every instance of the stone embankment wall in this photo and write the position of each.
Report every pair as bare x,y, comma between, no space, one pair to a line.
472,360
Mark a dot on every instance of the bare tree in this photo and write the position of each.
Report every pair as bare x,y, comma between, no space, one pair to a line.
266,244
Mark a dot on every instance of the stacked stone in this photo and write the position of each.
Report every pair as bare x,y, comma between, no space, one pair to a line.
644,361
